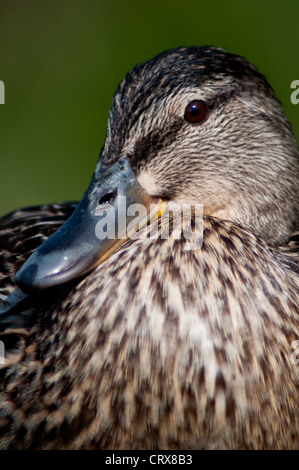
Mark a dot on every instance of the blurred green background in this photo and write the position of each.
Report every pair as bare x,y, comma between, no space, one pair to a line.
62,60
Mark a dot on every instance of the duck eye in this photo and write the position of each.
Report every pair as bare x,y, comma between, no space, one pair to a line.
196,111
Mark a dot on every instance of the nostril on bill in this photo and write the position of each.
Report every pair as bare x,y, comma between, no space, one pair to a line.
108,198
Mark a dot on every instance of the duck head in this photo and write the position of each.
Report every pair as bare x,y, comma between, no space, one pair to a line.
193,125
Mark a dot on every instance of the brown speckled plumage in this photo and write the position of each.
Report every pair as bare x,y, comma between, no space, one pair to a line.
161,347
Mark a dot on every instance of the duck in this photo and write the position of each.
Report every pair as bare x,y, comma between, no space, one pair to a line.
170,329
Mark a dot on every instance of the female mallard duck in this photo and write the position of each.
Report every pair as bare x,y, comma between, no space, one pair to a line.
138,342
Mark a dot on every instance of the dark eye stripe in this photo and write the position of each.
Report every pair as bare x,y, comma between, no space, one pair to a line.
196,112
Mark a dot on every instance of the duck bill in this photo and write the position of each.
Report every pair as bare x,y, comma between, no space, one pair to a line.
104,219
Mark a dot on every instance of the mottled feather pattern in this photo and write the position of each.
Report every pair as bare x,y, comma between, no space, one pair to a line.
122,334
